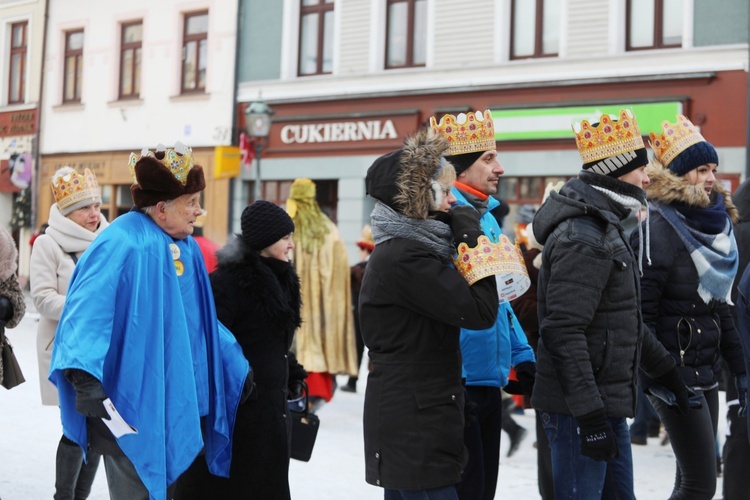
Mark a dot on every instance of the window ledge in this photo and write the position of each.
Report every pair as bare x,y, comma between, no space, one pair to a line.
17,106
196,96
122,103
73,106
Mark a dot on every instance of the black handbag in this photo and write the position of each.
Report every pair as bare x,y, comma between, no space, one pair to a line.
304,427
10,370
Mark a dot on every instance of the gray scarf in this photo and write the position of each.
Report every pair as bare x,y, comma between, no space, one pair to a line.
388,224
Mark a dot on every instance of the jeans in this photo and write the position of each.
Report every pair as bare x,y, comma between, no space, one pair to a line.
693,440
442,493
736,456
123,480
577,477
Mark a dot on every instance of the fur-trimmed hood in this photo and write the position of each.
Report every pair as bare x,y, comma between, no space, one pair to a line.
667,187
404,179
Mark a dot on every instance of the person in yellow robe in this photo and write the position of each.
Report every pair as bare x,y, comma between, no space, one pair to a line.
325,343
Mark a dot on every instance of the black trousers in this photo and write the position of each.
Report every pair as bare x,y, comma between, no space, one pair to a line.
736,456
482,439
693,440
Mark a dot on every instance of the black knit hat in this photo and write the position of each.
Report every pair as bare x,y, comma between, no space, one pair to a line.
464,161
701,153
263,224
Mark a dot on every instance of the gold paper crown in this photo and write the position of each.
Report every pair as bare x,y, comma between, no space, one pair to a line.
487,259
73,187
466,133
178,160
674,139
609,138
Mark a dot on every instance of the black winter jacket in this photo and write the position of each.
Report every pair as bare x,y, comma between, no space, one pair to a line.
412,305
592,336
697,334
258,300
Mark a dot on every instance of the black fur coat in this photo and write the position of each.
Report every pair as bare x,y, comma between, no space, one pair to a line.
258,300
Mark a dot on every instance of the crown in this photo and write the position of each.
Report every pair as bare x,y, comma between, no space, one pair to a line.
72,188
609,138
466,133
178,160
674,139
502,259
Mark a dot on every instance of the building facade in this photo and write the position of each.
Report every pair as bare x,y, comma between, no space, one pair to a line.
123,76
349,79
21,49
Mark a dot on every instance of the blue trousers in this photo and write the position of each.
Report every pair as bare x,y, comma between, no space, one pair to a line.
577,477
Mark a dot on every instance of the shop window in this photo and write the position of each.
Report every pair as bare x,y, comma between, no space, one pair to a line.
17,73
326,193
524,189
315,37
406,34
653,24
73,70
131,38
535,28
194,52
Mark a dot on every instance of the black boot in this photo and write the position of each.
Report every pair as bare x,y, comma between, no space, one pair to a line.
73,478
87,475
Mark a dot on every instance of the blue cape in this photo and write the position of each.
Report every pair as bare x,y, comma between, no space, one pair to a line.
152,338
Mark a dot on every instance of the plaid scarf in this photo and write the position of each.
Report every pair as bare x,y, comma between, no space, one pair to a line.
709,238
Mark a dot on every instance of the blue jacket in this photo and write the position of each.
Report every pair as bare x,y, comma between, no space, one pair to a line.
488,354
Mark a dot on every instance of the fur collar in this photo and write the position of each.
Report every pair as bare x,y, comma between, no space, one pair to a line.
666,187
276,295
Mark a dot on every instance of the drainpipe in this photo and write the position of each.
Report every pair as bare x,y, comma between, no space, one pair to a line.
235,130
37,140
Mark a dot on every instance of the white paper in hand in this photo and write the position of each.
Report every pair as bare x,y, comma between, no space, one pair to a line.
117,425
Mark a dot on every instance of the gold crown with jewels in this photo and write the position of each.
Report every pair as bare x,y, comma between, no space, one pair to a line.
612,136
178,160
502,259
674,139
73,187
466,133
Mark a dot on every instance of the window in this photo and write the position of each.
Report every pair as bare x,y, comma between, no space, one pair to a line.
524,189
17,76
194,52
406,33
131,38
326,194
73,66
315,37
654,24
535,28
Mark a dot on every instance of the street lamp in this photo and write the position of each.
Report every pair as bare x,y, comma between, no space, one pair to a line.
258,119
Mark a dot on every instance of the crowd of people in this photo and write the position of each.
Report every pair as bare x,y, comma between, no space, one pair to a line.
173,360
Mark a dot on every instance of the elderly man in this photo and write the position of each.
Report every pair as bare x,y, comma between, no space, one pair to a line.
139,334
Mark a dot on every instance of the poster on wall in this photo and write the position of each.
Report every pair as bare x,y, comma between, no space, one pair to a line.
15,173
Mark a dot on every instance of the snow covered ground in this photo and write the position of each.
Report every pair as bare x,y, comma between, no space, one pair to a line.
29,433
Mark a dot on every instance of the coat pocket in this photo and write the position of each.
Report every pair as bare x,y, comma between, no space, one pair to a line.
439,419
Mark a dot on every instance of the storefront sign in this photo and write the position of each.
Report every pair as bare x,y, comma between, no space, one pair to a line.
18,123
555,123
370,130
226,162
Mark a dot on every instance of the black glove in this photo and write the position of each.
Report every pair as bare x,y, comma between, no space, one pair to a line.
672,380
526,373
6,310
742,394
597,437
465,224
89,394
248,390
514,387
297,372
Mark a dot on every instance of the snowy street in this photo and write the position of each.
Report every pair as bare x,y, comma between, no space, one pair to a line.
30,433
